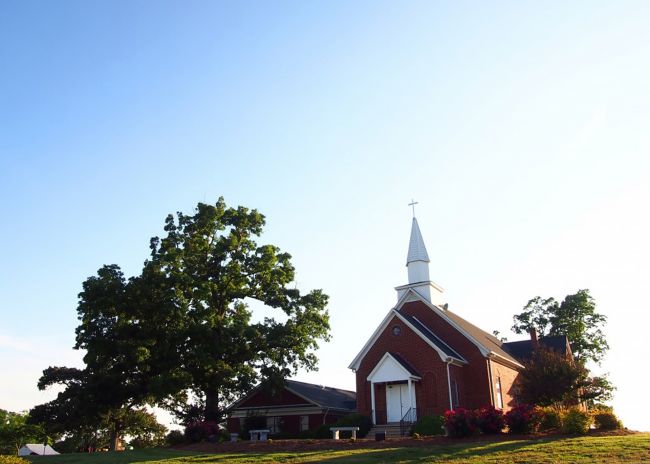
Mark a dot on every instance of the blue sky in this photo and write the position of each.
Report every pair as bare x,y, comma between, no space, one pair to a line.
521,128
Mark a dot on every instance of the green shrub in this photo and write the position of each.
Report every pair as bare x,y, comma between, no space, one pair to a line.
175,437
576,421
354,420
429,425
551,419
524,418
323,431
606,420
5,459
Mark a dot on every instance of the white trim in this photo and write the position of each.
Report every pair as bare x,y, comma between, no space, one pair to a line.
354,365
383,359
266,411
505,361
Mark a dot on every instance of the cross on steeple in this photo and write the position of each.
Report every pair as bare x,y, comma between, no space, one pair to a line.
412,204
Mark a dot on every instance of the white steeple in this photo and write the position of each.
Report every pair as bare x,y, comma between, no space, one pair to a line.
417,264
417,260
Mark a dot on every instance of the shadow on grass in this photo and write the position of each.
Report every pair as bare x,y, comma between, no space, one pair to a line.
433,453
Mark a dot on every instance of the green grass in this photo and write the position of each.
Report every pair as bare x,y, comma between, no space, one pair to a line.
613,449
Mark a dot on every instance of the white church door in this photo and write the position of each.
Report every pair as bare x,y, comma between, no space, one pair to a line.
397,401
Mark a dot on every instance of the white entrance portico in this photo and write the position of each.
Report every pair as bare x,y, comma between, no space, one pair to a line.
400,389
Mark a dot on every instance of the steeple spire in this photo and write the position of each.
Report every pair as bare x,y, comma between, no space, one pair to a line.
417,264
417,250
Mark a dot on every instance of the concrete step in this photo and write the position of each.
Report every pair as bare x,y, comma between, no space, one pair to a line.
392,430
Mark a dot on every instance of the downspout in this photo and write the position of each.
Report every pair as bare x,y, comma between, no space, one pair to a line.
451,403
325,415
489,363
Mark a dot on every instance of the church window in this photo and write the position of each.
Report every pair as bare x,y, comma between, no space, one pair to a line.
396,330
499,395
304,423
273,424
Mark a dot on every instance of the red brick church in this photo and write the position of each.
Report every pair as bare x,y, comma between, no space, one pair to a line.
424,359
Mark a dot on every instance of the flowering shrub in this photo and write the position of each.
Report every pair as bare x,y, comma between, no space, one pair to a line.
576,421
6,459
606,420
551,419
524,418
490,420
199,431
460,423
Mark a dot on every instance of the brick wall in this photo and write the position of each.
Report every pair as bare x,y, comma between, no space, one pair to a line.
432,393
508,378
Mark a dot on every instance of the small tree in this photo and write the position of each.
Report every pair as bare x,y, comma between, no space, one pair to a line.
576,317
552,379
15,432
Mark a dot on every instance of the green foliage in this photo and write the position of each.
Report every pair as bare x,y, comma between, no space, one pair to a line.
204,270
551,379
4,459
202,431
175,437
576,421
576,317
323,431
551,419
606,420
16,431
182,328
429,425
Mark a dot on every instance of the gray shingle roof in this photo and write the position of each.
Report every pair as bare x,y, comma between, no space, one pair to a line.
326,397
433,338
489,341
523,349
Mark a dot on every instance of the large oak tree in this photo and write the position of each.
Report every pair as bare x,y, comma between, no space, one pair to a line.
206,270
182,330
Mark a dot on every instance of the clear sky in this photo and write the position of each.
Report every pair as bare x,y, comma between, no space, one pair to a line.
522,128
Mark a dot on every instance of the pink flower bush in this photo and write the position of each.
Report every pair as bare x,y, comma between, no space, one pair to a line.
524,418
490,420
461,423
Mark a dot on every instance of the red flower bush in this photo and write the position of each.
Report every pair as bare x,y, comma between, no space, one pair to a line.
524,418
490,420
461,423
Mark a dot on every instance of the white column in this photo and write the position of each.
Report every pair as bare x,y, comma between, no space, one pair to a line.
410,385
372,401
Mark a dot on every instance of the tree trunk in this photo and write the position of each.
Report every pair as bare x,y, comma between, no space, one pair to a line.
116,431
211,407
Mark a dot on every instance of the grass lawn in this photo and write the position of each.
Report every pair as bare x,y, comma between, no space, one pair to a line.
605,449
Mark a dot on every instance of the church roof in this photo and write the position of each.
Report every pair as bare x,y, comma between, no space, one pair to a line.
325,397
417,250
522,350
433,338
488,340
